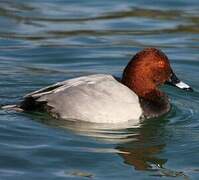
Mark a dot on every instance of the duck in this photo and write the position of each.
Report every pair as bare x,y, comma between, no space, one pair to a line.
103,98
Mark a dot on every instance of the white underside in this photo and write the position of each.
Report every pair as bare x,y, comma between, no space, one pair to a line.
95,98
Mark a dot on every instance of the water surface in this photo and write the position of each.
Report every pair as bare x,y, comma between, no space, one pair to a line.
42,42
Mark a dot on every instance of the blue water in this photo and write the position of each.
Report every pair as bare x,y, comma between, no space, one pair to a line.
42,42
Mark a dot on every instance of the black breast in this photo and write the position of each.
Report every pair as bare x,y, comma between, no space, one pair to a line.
152,109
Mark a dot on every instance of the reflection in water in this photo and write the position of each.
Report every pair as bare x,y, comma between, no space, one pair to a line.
112,133
140,146
143,158
143,154
137,145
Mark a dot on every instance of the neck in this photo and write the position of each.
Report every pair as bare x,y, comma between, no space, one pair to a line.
153,102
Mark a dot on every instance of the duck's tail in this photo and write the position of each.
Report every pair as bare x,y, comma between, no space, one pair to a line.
11,108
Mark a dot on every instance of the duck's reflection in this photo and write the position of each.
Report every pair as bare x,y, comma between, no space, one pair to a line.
143,154
143,158
139,145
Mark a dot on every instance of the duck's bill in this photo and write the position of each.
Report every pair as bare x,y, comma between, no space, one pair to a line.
174,81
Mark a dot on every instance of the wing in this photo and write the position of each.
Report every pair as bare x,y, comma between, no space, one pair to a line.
30,102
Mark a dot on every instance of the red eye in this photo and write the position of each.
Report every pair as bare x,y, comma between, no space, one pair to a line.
161,64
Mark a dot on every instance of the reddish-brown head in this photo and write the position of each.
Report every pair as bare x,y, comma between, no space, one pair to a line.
146,71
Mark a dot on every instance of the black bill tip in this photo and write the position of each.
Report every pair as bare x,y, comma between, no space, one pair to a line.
184,86
174,81
190,89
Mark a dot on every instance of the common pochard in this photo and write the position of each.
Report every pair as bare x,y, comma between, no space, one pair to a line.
101,98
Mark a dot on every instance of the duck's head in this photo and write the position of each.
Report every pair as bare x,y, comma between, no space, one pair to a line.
147,70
